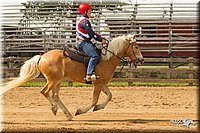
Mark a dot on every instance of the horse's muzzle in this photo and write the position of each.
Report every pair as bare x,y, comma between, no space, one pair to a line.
140,60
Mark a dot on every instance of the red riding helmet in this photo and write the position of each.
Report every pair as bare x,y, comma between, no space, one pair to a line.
84,7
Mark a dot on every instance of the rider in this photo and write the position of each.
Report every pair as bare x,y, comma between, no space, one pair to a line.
84,34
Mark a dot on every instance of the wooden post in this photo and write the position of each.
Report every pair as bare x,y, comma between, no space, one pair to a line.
133,23
70,83
191,76
130,75
45,42
4,42
10,65
170,37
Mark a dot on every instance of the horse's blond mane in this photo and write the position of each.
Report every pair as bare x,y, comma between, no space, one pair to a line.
115,46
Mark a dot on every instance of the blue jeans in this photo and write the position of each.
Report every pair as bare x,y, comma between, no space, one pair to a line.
90,50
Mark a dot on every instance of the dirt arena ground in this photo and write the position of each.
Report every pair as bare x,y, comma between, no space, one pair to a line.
132,109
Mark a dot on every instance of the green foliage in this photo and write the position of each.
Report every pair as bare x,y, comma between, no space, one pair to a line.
34,84
159,84
111,84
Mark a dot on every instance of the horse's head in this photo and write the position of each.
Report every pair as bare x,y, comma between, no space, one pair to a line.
133,51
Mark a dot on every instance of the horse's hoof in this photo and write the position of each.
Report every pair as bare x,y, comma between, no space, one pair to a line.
95,108
69,118
54,109
78,112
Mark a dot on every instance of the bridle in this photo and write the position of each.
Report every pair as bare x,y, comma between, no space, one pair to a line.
107,50
124,60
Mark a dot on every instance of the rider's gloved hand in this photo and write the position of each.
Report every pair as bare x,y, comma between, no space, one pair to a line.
104,41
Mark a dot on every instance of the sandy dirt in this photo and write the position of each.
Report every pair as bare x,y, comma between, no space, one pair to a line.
132,109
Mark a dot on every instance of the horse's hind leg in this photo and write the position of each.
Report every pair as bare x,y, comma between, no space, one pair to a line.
109,97
55,96
45,93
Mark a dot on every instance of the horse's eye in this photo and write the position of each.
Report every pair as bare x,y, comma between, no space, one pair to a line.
136,47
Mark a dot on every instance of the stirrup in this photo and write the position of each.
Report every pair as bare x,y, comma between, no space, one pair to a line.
94,77
91,78
88,79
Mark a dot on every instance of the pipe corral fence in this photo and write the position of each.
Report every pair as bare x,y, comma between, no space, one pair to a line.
167,34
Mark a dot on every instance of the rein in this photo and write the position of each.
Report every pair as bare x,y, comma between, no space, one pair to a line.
121,58
106,48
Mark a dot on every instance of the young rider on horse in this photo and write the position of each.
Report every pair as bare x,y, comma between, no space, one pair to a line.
84,34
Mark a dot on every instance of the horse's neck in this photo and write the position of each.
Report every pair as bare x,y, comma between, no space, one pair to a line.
115,60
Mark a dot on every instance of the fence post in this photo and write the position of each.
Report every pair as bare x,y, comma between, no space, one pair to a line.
10,65
70,83
4,41
130,75
45,42
133,23
191,76
170,37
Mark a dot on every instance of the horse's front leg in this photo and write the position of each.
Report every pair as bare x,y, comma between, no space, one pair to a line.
96,93
109,97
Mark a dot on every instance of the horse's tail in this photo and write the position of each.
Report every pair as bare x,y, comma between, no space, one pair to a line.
28,72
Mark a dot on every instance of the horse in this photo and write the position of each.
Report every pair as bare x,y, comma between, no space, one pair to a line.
56,67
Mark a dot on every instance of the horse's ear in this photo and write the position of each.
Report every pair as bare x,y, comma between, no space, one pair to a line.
131,38
134,35
128,37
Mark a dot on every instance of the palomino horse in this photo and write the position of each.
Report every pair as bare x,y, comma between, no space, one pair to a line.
55,67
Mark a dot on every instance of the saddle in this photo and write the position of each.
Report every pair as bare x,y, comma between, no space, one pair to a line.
78,55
